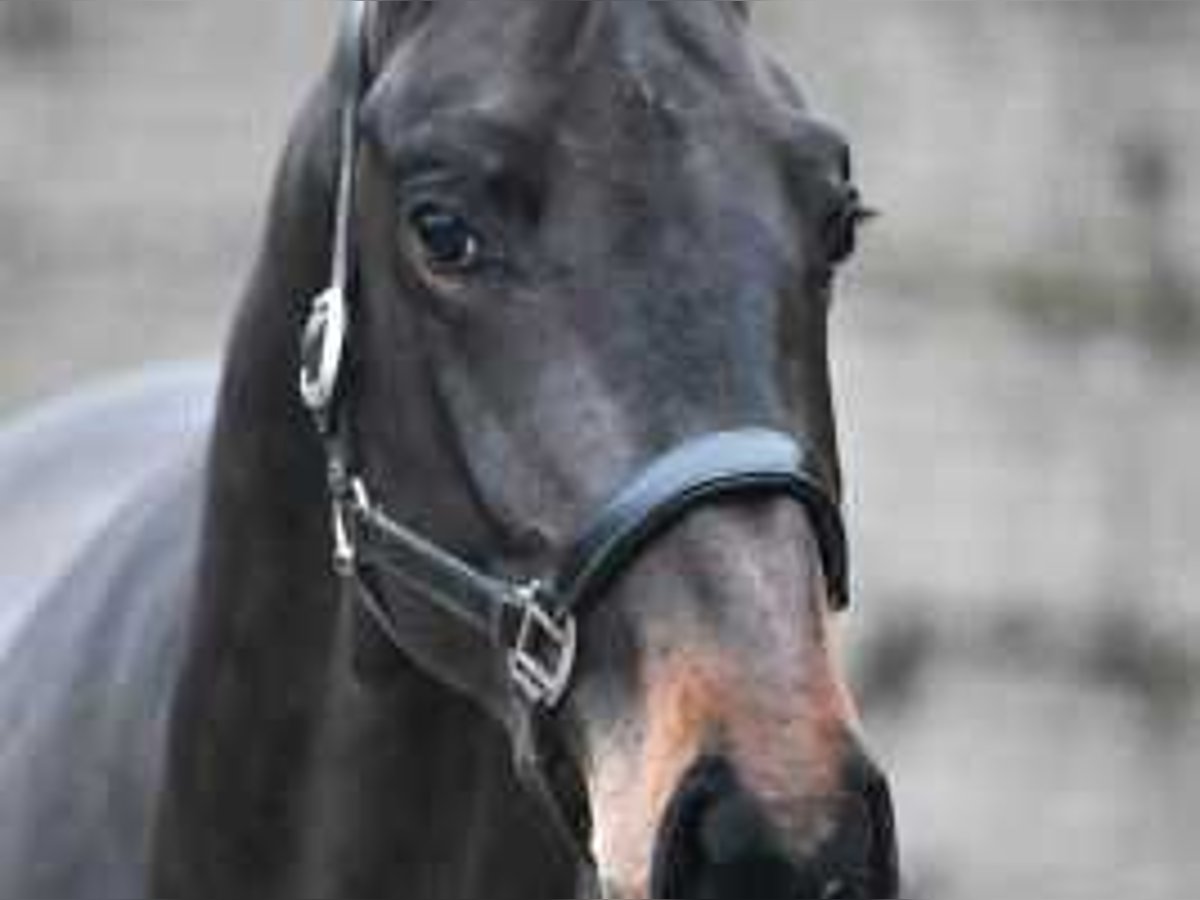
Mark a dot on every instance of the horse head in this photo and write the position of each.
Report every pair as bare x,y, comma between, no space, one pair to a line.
587,233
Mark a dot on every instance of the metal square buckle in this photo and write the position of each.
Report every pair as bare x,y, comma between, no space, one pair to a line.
542,659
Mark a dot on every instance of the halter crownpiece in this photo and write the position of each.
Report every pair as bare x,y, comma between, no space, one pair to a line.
534,623
324,342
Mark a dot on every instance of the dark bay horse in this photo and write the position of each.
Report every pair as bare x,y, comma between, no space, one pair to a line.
531,590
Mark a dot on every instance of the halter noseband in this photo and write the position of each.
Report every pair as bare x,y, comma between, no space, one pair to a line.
534,623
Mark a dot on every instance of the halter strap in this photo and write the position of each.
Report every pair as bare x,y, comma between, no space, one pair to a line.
698,473
325,336
532,623
535,622
352,72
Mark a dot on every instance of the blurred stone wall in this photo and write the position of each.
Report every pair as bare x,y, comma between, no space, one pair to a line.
137,143
1015,352
1012,137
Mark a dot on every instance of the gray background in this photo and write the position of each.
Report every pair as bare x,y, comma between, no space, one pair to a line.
1016,358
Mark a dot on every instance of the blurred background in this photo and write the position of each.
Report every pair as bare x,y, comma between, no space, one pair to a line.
1016,354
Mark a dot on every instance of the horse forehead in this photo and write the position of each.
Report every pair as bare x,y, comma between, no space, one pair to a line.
529,63
562,33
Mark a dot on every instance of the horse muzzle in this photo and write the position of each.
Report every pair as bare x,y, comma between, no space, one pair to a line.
719,840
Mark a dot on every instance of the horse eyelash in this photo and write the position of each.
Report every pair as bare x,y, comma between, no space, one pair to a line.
863,214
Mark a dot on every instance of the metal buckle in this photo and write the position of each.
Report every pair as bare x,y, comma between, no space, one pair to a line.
345,553
354,501
542,659
322,349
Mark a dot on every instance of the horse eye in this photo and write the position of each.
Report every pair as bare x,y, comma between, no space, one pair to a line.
446,240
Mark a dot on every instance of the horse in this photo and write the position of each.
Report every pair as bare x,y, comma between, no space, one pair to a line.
508,559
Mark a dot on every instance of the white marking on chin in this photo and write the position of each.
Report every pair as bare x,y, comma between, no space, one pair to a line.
624,829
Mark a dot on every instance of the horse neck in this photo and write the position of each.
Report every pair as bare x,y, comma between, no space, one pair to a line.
287,775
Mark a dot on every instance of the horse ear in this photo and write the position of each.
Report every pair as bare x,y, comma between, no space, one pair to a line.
743,8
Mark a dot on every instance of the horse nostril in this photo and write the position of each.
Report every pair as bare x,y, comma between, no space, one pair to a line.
732,830
715,842
679,853
864,840
718,841
884,863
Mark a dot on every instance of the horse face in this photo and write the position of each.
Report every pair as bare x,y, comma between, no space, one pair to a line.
603,228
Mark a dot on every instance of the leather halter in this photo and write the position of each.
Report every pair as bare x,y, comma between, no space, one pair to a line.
533,621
